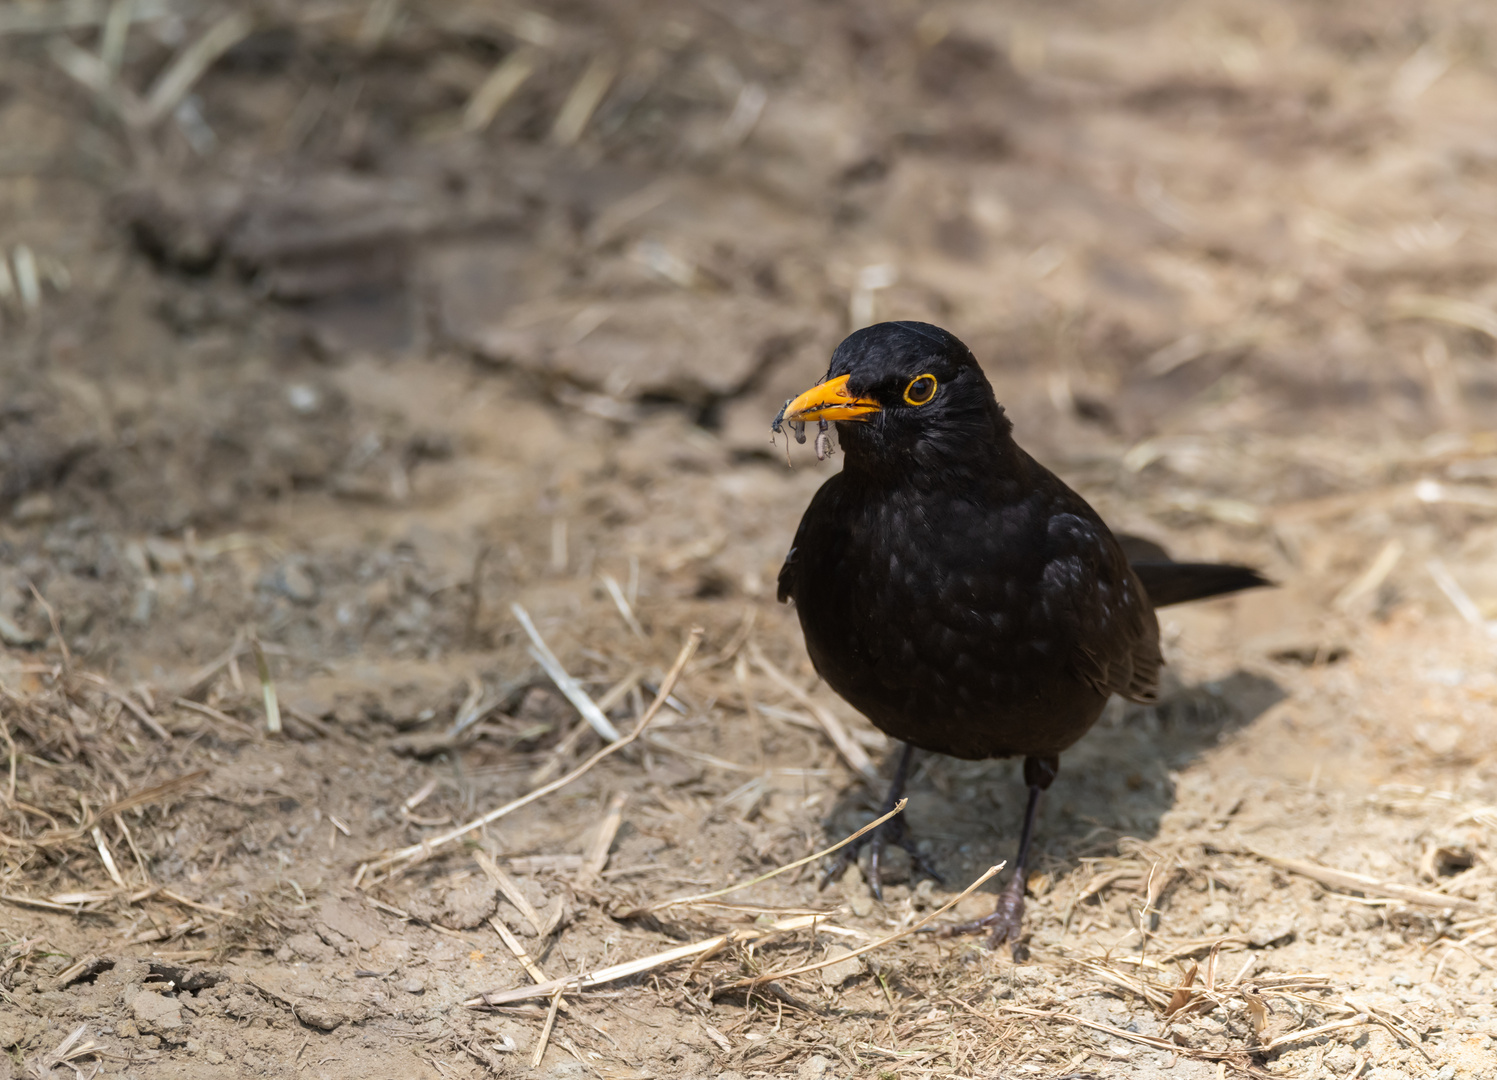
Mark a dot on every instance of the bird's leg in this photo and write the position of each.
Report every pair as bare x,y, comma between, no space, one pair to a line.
894,829
1007,919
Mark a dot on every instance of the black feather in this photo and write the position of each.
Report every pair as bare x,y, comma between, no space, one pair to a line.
1178,583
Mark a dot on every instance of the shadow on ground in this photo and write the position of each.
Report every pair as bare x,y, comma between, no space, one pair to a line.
1117,781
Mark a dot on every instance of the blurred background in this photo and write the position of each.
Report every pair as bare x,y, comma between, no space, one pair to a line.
343,325
474,270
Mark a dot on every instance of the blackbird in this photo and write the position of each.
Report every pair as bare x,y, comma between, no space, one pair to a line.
958,593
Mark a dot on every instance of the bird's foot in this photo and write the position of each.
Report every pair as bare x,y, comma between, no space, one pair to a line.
1006,923
893,831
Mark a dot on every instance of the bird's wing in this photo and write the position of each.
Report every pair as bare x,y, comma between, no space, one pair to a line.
1136,678
1115,643
786,581
787,573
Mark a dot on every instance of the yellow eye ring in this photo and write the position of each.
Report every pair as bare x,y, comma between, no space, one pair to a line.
921,389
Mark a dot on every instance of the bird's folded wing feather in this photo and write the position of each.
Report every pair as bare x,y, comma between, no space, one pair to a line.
1115,648
786,581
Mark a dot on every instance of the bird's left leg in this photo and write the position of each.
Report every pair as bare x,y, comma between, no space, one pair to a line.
1007,919
894,829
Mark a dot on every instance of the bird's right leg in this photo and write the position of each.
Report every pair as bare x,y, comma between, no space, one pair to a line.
894,829
1007,921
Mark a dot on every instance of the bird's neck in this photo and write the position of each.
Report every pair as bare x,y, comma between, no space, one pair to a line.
970,449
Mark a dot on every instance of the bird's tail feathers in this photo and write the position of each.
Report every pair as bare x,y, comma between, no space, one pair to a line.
1177,583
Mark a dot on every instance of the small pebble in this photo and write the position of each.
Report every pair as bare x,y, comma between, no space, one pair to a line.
836,974
1270,927
12,634
413,986
816,1067
295,582
856,892
1217,913
29,509
303,398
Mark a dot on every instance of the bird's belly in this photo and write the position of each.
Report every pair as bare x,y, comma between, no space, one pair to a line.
979,698
943,623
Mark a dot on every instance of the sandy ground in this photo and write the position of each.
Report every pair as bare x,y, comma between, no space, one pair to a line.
330,332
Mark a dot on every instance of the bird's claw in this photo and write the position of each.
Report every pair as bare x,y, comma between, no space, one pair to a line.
1005,924
875,840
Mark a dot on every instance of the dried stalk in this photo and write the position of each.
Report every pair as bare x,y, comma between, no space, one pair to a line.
637,967
682,901
569,686
1369,886
775,976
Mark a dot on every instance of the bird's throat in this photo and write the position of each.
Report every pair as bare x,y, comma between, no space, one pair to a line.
949,452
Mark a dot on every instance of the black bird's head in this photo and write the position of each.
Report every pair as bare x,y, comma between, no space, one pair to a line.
906,394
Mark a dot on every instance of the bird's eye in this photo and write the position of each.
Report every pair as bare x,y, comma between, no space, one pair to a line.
921,389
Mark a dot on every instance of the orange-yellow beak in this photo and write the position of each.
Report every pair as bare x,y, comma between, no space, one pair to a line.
830,400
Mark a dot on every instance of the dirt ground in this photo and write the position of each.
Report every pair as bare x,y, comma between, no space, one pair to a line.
330,331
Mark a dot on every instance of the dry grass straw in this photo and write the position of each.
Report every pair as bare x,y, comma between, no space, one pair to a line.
596,857
1371,579
700,949
198,682
1200,988
99,74
94,75
1446,309
702,898
570,687
1369,886
711,946
410,856
519,951
583,100
1198,991
79,903
77,727
620,601
149,722
114,33
653,962
62,642
47,18
559,756
846,745
216,715
472,710
546,1028
182,74
267,688
107,856
1459,598
511,890
508,886
71,1049
804,969
563,750
58,836
495,91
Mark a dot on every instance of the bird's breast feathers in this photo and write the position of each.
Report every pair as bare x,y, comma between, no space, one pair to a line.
917,585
